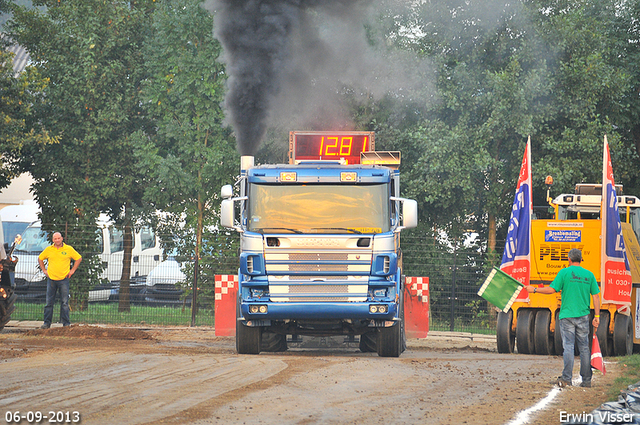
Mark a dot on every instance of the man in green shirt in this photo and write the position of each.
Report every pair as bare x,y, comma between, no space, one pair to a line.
578,286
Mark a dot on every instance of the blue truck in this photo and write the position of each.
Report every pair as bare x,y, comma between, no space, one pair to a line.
320,244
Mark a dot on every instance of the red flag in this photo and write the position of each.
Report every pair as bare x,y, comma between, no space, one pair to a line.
596,355
516,260
615,272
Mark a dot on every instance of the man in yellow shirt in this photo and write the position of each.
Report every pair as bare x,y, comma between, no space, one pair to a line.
58,271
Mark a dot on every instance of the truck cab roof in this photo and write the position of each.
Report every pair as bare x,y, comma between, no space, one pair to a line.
319,172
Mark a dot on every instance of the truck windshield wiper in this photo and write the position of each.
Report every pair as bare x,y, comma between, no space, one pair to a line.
338,228
262,229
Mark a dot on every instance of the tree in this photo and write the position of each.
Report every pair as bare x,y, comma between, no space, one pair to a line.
89,51
18,95
189,154
505,71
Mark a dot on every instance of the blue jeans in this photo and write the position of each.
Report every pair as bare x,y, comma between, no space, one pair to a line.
575,330
53,286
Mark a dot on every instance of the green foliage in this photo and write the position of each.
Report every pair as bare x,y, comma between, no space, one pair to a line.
121,109
564,73
89,53
189,155
17,98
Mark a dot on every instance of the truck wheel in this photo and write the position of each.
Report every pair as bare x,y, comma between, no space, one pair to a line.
272,342
389,342
248,339
557,336
603,333
622,335
525,331
505,337
543,339
6,308
368,342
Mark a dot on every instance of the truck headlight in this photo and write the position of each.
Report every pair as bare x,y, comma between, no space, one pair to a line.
255,309
382,308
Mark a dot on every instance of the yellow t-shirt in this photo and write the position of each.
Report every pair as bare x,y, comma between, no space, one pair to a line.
59,260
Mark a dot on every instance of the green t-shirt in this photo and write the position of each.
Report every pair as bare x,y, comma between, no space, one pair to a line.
577,285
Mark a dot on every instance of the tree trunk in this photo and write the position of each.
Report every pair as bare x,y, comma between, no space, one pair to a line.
125,278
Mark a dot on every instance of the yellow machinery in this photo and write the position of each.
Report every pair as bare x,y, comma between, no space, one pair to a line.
532,327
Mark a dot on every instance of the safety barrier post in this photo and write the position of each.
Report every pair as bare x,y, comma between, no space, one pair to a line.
226,290
416,307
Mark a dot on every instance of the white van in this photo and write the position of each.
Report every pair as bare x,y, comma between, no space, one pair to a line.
146,255
16,218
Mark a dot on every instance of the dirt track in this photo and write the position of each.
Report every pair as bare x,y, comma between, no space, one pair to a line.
180,376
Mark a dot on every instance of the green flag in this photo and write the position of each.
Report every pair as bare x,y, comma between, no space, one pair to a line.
500,289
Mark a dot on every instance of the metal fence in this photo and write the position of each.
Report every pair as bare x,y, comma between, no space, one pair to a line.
160,291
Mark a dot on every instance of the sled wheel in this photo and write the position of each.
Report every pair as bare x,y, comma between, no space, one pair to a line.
557,336
505,336
603,334
622,335
543,337
525,331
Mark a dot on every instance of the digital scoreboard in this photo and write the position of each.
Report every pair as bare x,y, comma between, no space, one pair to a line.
329,145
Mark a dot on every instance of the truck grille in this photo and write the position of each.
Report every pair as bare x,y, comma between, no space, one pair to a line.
318,268
317,256
330,275
310,291
283,263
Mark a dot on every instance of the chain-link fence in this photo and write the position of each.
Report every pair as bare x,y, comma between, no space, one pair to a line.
159,288
455,275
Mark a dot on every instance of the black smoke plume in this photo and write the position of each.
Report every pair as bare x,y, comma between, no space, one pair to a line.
259,39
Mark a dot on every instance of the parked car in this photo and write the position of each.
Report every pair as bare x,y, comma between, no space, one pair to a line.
162,285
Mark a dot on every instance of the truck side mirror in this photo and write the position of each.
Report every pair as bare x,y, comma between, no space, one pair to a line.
409,213
227,191
227,213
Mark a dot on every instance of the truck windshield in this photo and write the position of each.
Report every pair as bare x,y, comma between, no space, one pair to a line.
318,208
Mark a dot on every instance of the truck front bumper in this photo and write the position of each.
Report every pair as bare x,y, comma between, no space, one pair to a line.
318,311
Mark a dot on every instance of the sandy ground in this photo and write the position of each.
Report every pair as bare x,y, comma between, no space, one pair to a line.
190,376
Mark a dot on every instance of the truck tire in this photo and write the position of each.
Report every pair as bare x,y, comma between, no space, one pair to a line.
622,335
389,342
603,334
543,339
273,343
525,331
248,339
6,308
368,342
505,337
